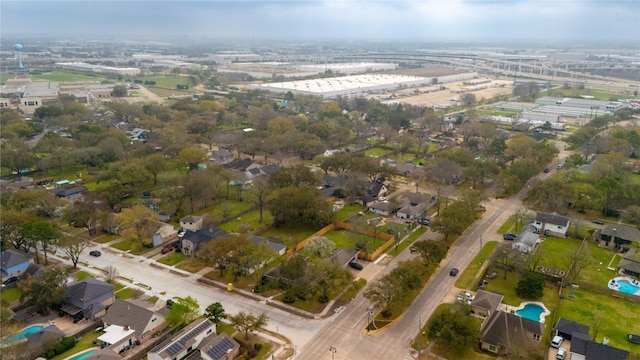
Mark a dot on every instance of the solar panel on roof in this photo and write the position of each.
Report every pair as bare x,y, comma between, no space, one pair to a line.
174,349
221,348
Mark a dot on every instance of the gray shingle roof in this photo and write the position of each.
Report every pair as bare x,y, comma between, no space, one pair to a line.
503,329
124,313
12,258
487,300
583,345
553,218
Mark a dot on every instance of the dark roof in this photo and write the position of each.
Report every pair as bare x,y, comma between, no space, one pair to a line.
567,328
216,347
629,264
64,192
487,300
270,169
239,164
191,218
621,231
12,258
502,329
31,270
274,245
48,335
84,292
183,339
415,198
583,345
331,183
105,354
553,218
384,206
342,256
204,235
124,313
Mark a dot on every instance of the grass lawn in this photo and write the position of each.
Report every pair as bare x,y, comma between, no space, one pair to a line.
106,238
353,290
506,226
347,240
225,208
192,265
596,272
391,250
165,81
557,253
375,152
241,282
131,246
64,76
289,236
223,327
464,281
85,342
128,293
619,316
252,218
80,275
11,294
348,211
507,287
172,258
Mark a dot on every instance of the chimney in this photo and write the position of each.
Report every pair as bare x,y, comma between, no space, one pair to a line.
126,328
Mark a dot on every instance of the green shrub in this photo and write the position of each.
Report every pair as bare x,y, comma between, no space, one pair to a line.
288,298
323,299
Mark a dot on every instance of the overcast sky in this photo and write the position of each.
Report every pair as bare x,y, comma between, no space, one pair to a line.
469,20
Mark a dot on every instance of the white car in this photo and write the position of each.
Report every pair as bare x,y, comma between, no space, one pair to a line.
557,340
562,352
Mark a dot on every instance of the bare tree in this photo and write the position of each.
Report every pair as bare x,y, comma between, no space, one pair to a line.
110,273
520,216
72,244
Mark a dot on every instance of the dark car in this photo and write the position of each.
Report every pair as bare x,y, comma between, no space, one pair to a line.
424,221
95,253
389,231
166,249
598,221
356,265
10,281
509,236
454,271
546,170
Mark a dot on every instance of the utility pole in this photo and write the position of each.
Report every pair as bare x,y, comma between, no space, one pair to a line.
481,260
419,335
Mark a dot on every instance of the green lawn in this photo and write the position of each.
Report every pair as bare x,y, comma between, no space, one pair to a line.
11,294
252,218
106,238
172,258
507,288
128,293
504,228
289,236
192,265
347,239
557,253
375,152
65,76
166,81
464,281
131,246
620,316
85,342
596,272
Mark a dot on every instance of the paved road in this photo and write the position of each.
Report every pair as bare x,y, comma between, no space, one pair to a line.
345,333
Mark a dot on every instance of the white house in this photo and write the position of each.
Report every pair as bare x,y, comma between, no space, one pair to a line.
553,223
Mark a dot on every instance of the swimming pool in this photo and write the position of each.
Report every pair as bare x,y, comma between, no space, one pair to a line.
625,285
22,335
533,311
83,355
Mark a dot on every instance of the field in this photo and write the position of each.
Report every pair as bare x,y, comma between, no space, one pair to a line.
166,81
62,76
443,97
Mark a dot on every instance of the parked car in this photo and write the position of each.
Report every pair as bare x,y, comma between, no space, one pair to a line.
598,221
356,265
556,341
95,253
454,271
425,221
546,170
562,352
390,232
10,281
509,236
166,249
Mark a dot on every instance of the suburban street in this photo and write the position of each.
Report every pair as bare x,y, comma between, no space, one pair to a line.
344,330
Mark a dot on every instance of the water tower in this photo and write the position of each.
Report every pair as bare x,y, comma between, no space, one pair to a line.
18,49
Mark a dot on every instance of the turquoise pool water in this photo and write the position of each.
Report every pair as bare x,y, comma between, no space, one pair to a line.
531,312
627,288
84,355
22,334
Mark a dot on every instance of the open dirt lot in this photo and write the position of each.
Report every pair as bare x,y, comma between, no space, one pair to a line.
452,91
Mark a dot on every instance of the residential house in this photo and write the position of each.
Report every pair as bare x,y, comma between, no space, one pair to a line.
192,240
105,354
44,338
163,233
331,184
13,263
343,256
553,224
187,340
221,156
275,244
220,347
192,222
414,205
117,337
269,169
566,328
408,169
501,330
143,321
138,134
71,194
583,348
485,303
385,208
374,190
241,165
88,299
621,235
526,241
152,204
630,263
